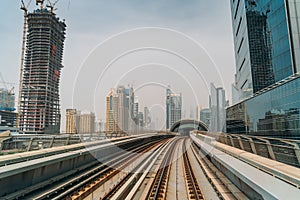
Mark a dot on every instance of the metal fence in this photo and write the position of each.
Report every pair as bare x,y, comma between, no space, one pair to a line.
25,142
283,150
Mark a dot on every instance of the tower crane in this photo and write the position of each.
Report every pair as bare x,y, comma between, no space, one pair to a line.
25,9
41,2
51,5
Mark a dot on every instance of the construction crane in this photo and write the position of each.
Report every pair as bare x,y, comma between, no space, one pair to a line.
41,2
51,5
25,9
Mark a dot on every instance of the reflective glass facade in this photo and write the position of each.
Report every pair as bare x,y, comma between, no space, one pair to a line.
217,104
276,22
173,108
275,112
242,54
266,38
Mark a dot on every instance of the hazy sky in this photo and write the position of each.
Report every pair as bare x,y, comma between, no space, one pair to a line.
149,44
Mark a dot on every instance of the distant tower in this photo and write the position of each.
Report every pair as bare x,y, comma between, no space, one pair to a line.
173,108
39,103
168,92
71,121
86,123
147,118
126,103
217,122
112,111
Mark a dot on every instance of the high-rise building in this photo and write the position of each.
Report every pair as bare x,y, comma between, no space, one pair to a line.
126,104
80,123
72,121
205,116
120,109
136,108
86,123
8,115
147,118
112,115
7,100
217,108
173,108
140,120
39,103
266,40
7,119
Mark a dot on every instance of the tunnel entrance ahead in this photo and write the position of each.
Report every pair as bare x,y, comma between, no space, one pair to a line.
183,127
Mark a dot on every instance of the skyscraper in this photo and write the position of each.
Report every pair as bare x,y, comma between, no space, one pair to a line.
120,111
173,108
87,123
72,121
39,103
125,108
217,108
205,116
112,115
266,40
147,118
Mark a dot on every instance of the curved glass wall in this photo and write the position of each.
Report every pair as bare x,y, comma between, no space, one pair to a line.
275,112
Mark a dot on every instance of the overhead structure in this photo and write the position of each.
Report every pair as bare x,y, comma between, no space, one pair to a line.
184,126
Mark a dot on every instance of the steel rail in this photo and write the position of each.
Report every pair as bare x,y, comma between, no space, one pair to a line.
193,189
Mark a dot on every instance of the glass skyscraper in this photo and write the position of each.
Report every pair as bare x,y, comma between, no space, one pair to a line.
173,108
275,111
266,39
217,104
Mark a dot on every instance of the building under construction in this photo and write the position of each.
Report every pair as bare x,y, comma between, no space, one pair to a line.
39,102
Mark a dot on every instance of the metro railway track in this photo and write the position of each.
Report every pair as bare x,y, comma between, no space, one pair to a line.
193,189
110,194
83,178
159,186
128,189
144,172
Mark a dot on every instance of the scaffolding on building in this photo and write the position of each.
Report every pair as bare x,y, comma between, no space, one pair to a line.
39,109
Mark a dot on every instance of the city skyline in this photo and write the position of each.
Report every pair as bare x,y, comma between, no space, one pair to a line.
137,99
211,40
